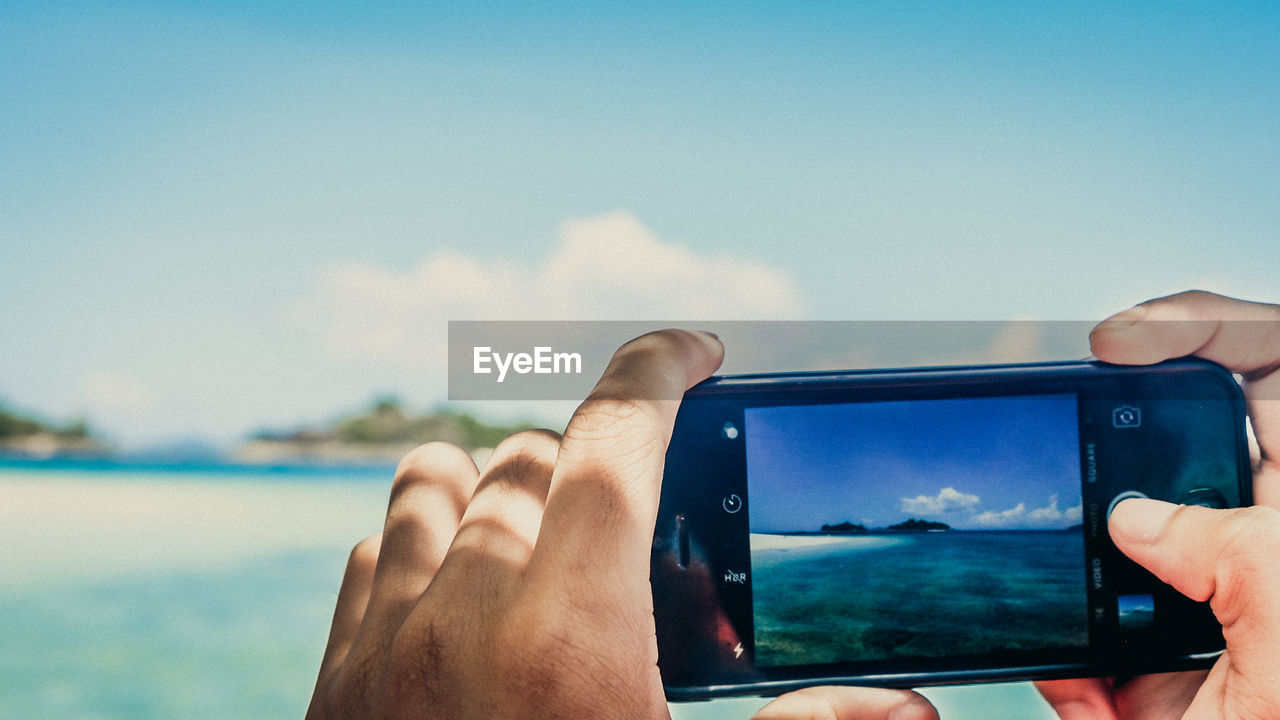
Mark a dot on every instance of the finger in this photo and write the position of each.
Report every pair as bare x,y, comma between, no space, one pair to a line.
1079,698
1163,695
848,703
500,527
603,498
353,599
1242,336
1224,556
432,487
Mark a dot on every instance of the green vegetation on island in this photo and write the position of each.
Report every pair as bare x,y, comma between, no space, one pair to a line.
379,435
844,527
913,525
26,436
382,433
15,425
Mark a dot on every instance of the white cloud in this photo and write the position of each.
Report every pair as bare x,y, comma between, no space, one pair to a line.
1048,512
1048,516
111,394
948,500
991,518
609,267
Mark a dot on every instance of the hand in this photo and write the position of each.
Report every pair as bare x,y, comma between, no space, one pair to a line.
1229,557
523,591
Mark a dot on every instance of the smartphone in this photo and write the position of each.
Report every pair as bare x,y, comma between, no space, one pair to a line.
939,525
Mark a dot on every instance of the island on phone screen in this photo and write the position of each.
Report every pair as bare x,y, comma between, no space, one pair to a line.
921,528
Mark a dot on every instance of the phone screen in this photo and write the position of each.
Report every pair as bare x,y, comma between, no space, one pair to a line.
915,529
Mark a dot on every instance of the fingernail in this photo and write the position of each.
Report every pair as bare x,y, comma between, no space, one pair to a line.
1124,319
1140,520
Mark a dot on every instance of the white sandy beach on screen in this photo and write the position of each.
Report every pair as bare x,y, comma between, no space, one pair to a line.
68,527
767,541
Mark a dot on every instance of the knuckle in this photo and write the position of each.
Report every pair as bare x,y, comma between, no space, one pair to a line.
1248,542
437,635
1251,533
525,458
407,526
420,657
610,445
435,462
657,349
527,448
353,685
608,453
433,456
608,415
658,341
364,556
532,437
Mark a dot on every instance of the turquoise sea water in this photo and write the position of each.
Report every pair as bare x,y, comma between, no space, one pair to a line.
869,597
151,592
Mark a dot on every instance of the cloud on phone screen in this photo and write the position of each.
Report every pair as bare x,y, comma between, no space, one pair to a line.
948,500
1047,517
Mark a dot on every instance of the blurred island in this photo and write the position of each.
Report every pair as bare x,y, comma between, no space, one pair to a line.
377,436
914,525
910,525
380,435
844,527
25,436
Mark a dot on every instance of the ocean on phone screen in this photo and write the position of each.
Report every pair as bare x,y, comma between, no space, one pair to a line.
832,598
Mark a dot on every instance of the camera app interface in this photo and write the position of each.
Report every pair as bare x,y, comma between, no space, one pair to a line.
920,528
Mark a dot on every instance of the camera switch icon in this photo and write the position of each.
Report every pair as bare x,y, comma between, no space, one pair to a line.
1126,416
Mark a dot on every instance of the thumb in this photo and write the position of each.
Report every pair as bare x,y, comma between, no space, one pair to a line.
848,703
1229,557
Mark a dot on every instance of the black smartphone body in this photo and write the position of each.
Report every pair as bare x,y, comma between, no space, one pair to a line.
937,525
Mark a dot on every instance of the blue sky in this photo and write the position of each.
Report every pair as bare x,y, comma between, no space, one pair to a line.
218,216
973,463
